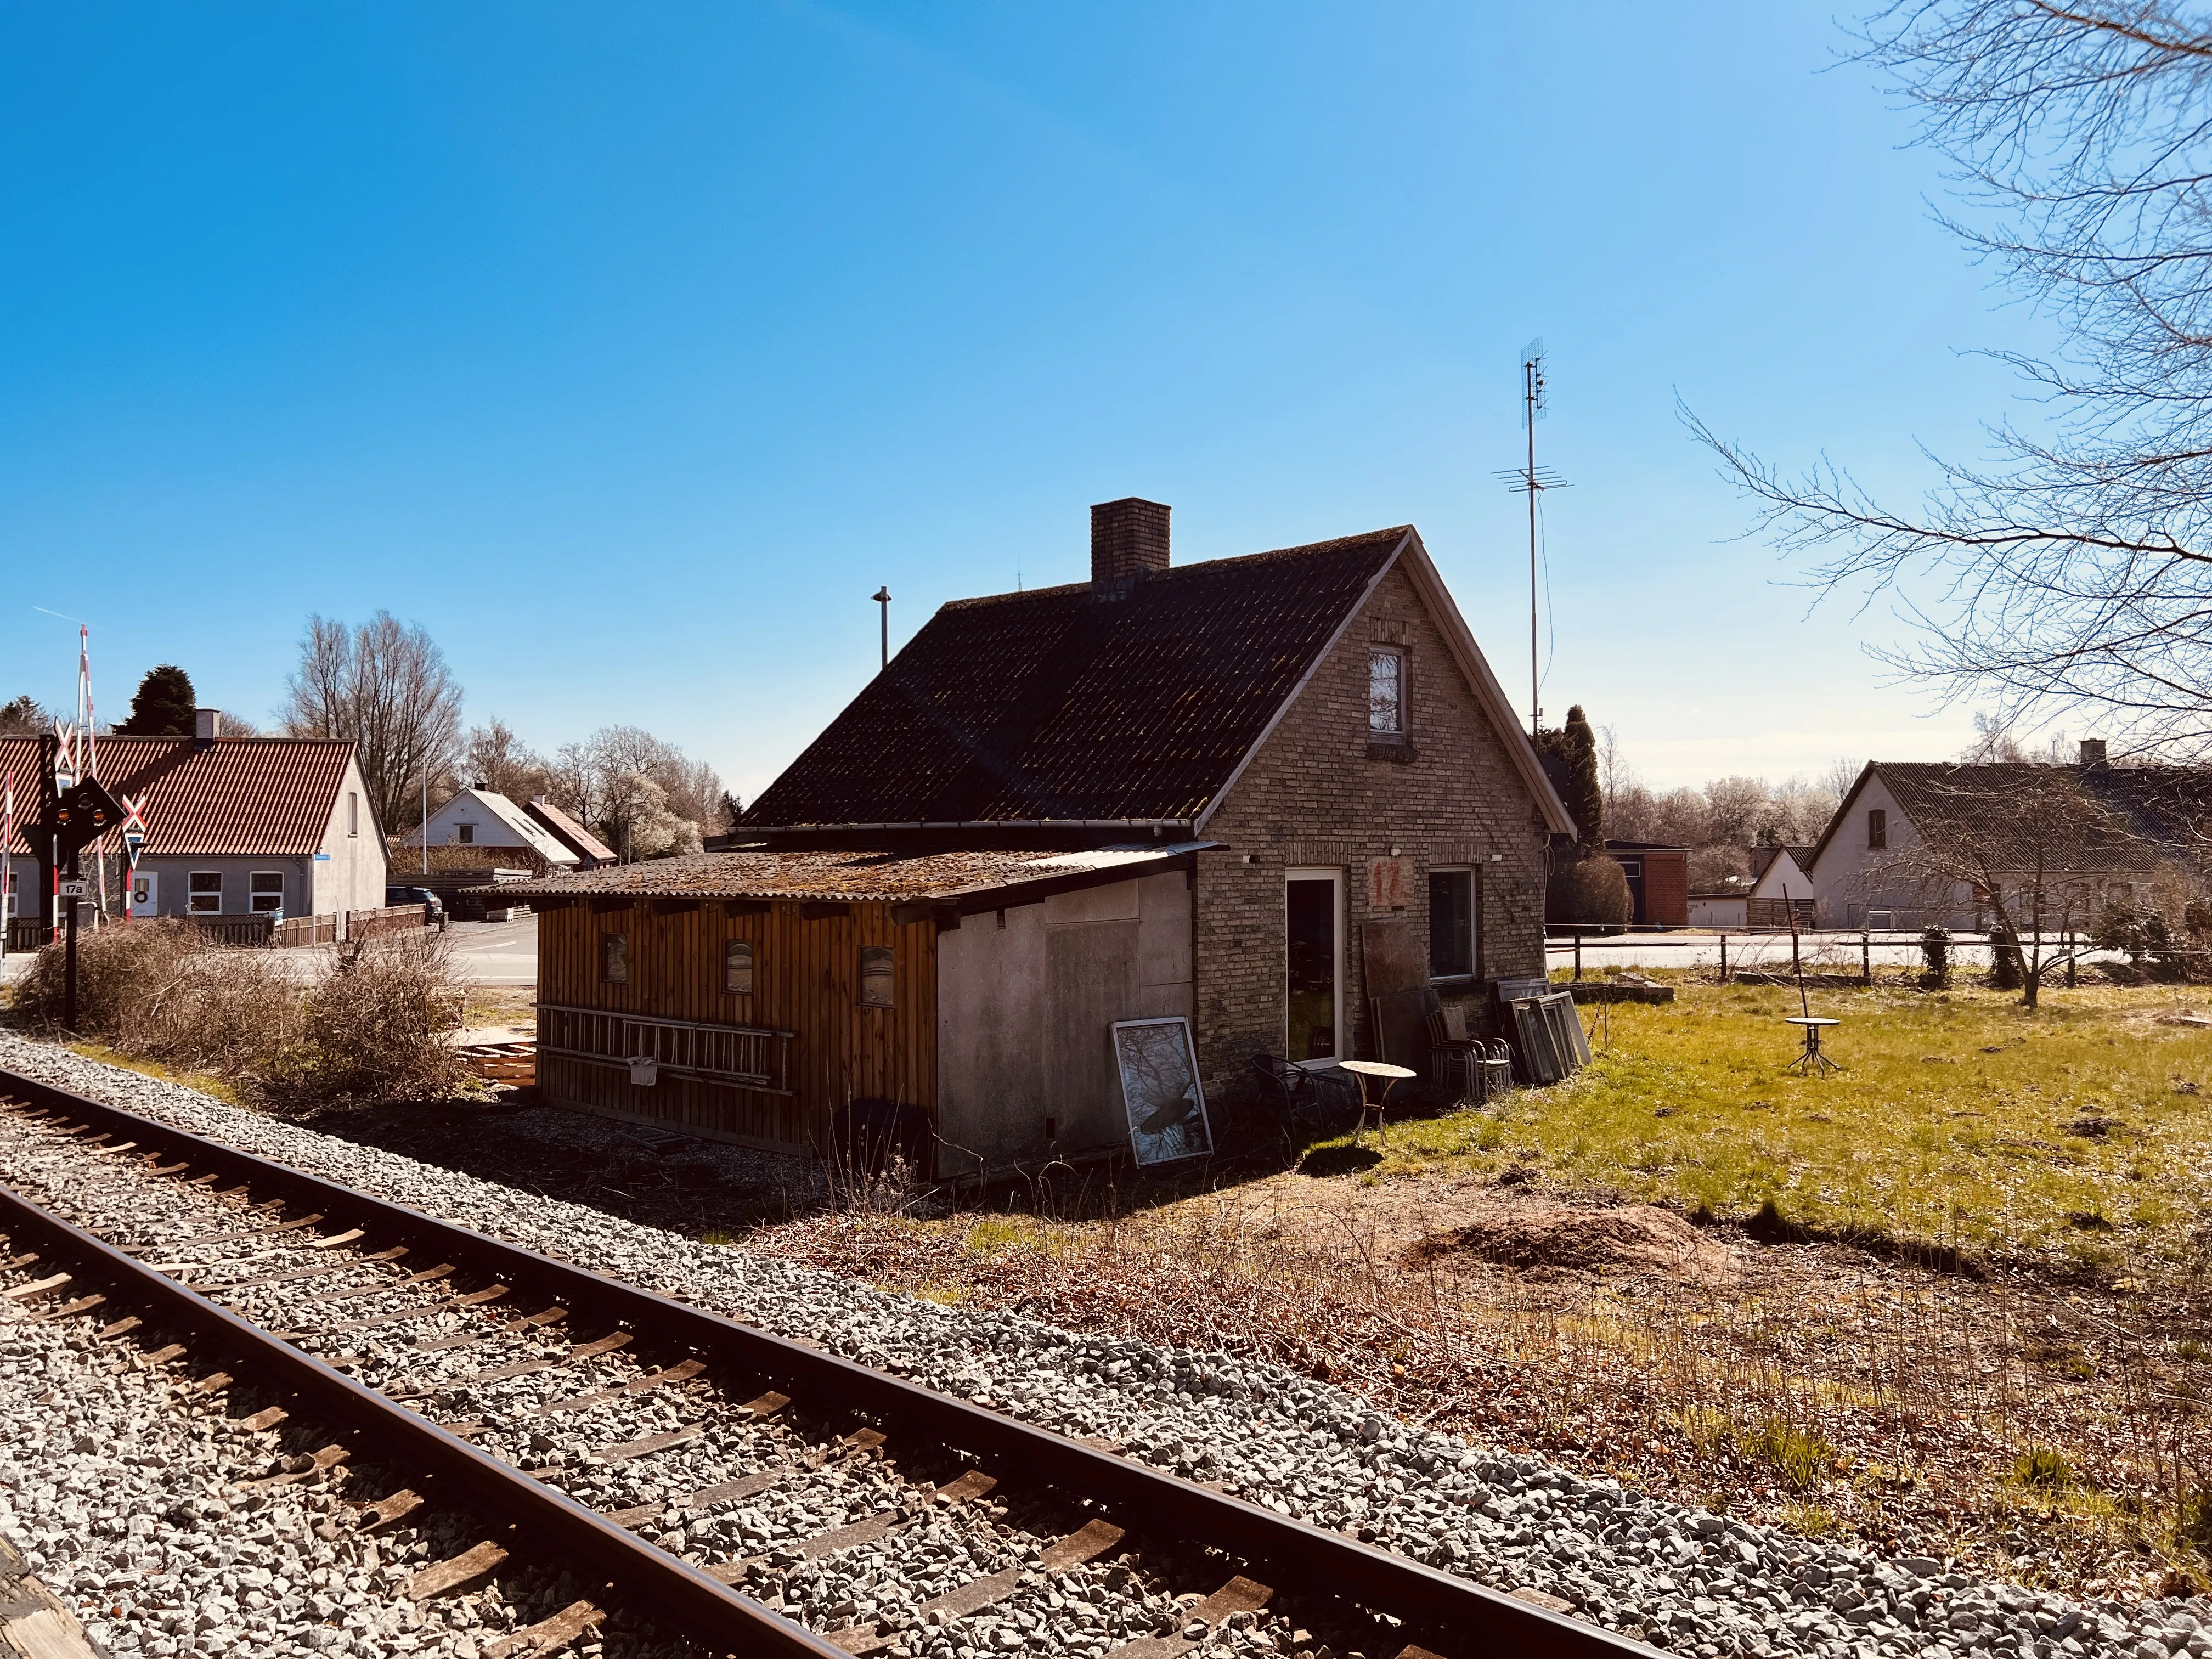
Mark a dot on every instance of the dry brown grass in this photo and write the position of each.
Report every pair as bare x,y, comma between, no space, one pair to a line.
1819,1389
368,1030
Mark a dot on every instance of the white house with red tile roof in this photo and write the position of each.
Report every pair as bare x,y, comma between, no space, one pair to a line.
235,826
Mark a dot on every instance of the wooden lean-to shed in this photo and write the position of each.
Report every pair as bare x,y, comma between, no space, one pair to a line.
762,997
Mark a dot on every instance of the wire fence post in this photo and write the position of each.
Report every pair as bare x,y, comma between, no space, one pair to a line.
1866,956
1578,954
1723,958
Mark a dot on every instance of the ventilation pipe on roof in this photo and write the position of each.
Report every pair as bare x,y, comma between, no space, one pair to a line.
1128,543
207,726
2092,751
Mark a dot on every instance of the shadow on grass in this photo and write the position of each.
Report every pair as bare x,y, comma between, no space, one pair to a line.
1325,1161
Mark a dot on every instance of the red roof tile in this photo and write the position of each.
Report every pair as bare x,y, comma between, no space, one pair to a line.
243,797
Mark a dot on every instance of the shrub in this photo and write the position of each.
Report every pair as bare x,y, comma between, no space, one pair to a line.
1935,954
373,1030
2007,966
1592,890
1801,1457
111,966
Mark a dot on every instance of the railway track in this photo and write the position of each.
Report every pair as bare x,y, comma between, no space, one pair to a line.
762,1495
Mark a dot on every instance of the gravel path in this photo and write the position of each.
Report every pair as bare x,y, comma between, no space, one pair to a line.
1683,1579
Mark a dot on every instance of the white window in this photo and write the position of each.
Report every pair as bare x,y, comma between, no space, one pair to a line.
464,833
206,893
353,812
268,892
1386,693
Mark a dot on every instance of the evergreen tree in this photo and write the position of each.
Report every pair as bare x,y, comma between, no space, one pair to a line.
1585,799
163,707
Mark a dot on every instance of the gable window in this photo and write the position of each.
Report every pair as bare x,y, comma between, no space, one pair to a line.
206,893
875,977
738,966
1877,827
1452,953
267,894
1386,693
614,958
353,812
464,833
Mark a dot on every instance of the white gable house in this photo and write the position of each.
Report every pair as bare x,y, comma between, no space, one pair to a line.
480,818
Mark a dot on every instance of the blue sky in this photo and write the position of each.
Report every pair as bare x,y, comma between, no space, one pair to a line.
629,349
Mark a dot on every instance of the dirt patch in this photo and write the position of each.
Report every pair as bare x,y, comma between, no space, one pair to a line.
1538,1238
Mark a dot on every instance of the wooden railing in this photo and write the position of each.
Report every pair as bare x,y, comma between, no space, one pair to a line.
742,1056
235,930
392,919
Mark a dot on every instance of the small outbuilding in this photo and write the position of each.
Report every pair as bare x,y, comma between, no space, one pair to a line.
1658,882
1073,847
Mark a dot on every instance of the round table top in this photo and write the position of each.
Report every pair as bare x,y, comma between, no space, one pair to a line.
1376,1068
1810,1019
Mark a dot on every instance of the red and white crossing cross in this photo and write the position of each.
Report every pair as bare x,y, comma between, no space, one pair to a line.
134,828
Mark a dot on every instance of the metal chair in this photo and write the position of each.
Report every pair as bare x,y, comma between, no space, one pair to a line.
1304,1101
1452,1052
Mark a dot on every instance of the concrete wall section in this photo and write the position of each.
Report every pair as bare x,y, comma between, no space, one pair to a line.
1026,1001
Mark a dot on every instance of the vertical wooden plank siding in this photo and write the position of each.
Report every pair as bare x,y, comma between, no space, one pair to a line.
806,976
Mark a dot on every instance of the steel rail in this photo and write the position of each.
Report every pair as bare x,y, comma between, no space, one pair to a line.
1466,1617
570,1535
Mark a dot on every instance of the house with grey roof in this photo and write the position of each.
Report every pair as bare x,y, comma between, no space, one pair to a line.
1916,844
485,818
1243,799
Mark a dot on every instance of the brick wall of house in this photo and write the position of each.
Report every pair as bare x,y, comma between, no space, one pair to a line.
1315,798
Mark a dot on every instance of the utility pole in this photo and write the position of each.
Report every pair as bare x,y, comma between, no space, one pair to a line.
882,598
1531,479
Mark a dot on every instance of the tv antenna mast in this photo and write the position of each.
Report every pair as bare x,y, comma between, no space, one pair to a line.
1532,481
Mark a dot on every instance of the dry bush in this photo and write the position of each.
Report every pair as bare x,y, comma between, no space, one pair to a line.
111,965
224,1011
373,1030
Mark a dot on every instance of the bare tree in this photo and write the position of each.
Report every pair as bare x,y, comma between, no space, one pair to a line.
643,793
385,686
493,758
2075,569
2026,843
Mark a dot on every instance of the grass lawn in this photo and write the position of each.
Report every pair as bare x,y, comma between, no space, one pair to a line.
2074,1136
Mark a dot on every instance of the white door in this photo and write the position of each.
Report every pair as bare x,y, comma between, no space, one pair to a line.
145,893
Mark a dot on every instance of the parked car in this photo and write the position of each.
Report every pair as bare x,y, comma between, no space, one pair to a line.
433,908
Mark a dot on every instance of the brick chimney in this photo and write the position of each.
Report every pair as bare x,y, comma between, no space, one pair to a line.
1129,542
2092,751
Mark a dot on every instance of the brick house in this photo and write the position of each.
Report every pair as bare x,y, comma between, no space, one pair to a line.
1251,792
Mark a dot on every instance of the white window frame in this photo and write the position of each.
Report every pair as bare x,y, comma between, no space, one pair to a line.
1395,653
1473,874
255,893
194,894
1335,878
353,811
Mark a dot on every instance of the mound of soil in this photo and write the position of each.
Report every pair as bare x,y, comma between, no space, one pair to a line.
1558,1238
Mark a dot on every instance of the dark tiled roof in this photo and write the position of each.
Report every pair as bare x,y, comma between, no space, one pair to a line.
846,876
2108,820
572,834
1765,852
1063,705
243,797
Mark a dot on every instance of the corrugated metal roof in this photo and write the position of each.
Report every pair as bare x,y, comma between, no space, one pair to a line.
850,875
240,797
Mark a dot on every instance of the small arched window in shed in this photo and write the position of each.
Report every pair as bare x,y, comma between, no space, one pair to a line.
738,966
875,977
614,958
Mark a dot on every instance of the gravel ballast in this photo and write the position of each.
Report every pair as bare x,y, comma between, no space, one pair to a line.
1683,1579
